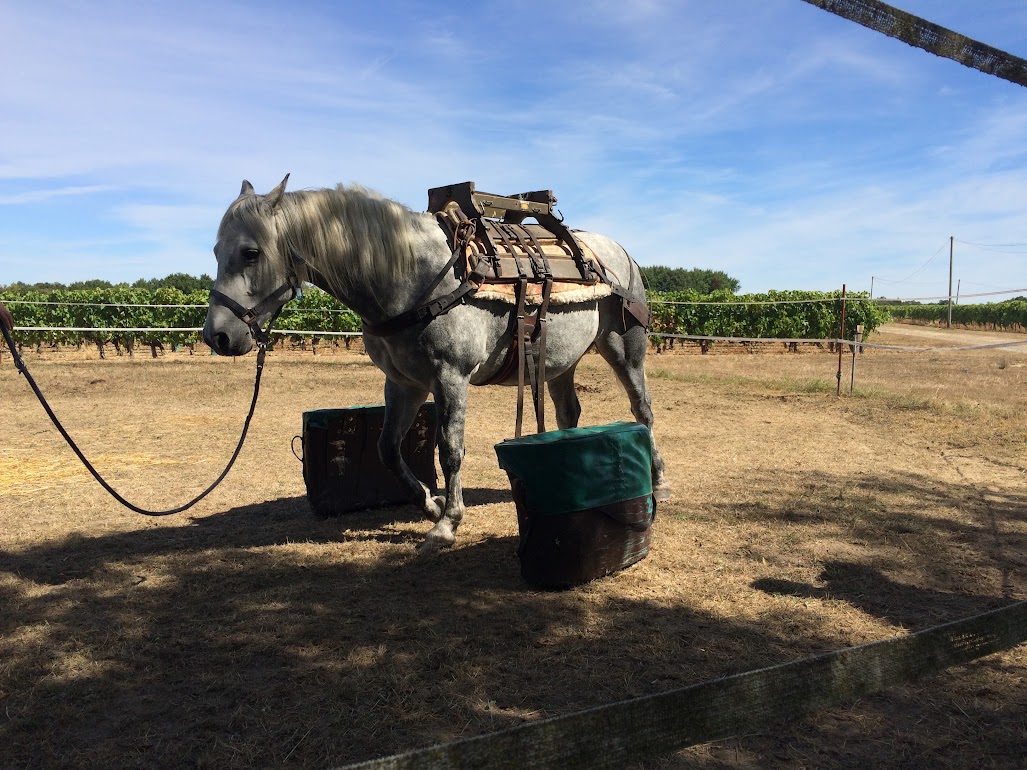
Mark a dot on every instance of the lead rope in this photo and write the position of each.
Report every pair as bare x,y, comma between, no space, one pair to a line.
20,365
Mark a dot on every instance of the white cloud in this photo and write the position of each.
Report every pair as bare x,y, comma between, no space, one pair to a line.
768,139
40,196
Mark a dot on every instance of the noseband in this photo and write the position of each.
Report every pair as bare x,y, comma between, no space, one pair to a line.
274,301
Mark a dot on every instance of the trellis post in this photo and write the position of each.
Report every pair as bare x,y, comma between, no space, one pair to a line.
841,337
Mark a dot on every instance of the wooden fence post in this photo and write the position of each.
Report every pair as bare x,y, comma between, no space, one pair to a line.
856,348
841,336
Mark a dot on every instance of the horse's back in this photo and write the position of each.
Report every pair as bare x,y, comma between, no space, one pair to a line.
613,256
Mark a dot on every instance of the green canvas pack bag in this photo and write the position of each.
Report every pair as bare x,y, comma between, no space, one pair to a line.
584,501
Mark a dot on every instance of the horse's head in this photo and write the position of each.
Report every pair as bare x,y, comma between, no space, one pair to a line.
254,278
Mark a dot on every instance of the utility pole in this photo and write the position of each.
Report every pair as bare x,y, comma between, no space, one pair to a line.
871,287
948,324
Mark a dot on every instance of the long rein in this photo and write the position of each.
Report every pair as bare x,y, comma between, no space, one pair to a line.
260,336
423,310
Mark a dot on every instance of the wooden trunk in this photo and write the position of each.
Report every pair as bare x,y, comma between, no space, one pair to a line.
565,550
341,467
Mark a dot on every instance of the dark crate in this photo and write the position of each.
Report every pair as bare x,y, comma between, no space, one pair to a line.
341,467
577,547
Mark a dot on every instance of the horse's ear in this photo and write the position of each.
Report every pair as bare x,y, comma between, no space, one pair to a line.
274,197
247,188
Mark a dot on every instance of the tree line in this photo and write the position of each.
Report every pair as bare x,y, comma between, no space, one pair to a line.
701,281
657,278
183,282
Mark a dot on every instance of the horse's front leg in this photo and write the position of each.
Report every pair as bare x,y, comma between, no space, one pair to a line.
401,405
451,402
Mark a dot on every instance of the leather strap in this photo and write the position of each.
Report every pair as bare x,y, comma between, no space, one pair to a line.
249,316
522,344
424,310
273,301
541,327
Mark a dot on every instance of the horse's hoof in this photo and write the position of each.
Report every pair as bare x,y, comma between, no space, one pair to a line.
663,493
434,507
440,536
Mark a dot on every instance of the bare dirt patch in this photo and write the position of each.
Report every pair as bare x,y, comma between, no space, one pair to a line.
249,633
949,337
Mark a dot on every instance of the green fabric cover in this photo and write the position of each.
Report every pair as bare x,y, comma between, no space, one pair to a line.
324,418
580,468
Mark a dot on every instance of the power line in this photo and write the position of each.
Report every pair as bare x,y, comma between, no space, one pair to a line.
946,296
918,270
914,283
1001,248
982,285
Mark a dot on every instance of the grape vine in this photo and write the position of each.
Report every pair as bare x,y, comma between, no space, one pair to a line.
1009,316
803,314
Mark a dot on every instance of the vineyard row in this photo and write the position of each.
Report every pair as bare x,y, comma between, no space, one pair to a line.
1009,316
772,315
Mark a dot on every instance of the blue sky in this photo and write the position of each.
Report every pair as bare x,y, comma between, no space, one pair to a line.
766,138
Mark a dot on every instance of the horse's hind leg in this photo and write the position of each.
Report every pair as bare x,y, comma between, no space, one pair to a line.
565,400
625,352
401,405
451,401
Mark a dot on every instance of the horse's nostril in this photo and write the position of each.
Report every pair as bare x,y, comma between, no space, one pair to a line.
222,342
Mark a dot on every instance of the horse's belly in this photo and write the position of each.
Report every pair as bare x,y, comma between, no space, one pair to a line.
568,338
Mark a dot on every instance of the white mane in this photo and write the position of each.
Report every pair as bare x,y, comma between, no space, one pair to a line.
349,235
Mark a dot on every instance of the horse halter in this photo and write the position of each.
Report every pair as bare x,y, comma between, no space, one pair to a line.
272,302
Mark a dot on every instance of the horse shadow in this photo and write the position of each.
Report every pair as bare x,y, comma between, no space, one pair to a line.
395,646
258,525
474,496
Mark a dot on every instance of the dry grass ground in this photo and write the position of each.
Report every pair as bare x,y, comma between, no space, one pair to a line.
247,633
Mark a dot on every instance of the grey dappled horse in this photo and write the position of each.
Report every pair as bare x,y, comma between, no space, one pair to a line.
378,257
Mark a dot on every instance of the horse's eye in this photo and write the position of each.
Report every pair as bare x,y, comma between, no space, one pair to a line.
251,255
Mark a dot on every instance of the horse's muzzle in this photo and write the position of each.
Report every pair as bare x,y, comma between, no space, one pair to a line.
224,343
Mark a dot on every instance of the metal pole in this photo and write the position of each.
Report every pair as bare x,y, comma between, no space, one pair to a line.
841,336
958,283
871,287
856,349
948,325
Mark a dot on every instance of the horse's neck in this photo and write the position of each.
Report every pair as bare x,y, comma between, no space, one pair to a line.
377,303
371,305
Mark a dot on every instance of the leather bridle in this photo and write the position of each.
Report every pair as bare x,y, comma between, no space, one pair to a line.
273,303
